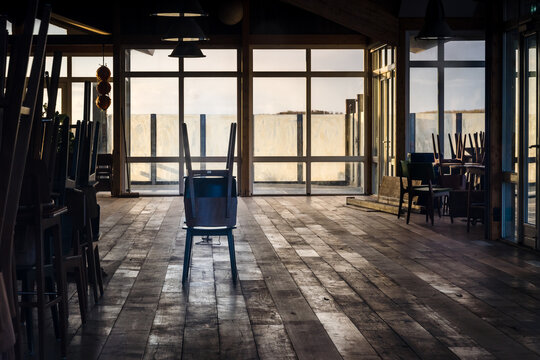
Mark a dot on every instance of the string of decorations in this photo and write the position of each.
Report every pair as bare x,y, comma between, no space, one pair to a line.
103,74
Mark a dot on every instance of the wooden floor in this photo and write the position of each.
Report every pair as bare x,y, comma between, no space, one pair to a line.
318,280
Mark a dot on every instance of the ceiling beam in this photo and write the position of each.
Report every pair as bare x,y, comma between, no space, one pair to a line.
363,16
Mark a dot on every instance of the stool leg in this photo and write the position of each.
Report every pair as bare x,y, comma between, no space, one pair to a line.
40,288
187,255
28,287
99,273
90,254
232,255
61,287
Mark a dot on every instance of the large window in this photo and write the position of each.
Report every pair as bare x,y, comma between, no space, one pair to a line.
307,121
446,91
164,92
74,71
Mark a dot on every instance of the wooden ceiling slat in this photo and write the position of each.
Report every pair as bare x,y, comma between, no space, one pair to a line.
363,16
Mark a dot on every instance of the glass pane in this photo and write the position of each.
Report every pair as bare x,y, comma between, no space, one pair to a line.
152,100
465,50
105,118
337,60
423,108
209,109
150,60
422,49
279,60
155,178
58,100
211,166
531,134
48,66
279,106
464,102
215,60
336,178
63,67
279,178
335,119
510,133
86,66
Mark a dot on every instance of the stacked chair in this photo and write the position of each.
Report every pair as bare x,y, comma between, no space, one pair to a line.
433,194
17,108
49,216
210,202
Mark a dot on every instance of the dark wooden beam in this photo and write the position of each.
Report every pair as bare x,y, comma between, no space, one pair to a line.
494,117
364,16
401,97
246,125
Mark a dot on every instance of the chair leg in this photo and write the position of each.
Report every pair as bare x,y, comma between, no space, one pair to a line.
431,203
409,208
61,288
91,260
28,288
401,194
187,255
232,255
439,205
40,288
49,285
99,272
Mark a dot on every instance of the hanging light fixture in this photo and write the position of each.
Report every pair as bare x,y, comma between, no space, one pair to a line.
187,50
184,8
185,30
435,26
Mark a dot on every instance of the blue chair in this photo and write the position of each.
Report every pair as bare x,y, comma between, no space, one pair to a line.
210,203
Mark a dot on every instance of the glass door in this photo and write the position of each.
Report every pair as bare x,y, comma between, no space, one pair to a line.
521,139
383,115
528,215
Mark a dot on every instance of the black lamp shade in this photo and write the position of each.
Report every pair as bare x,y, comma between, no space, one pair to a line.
435,26
184,8
185,29
187,50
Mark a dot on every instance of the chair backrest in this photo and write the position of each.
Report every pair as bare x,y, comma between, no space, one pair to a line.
210,196
404,169
75,156
421,171
62,158
421,157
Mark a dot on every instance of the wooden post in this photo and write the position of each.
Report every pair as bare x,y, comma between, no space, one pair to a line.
494,100
118,169
401,95
246,126
368,122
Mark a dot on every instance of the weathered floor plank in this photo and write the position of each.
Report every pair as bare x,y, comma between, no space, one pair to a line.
317,279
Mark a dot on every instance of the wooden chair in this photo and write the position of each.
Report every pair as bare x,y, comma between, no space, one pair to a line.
84,173
72,223
40,215
425,173
438,155
475,195
17,106
210,203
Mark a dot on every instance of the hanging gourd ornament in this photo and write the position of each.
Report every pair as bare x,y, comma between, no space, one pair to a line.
103,87
103,101
103,73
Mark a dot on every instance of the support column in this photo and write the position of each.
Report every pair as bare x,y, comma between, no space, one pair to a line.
246,127
368,122
402,107
494,119
118,176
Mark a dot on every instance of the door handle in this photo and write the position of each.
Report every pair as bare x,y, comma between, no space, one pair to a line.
534,146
